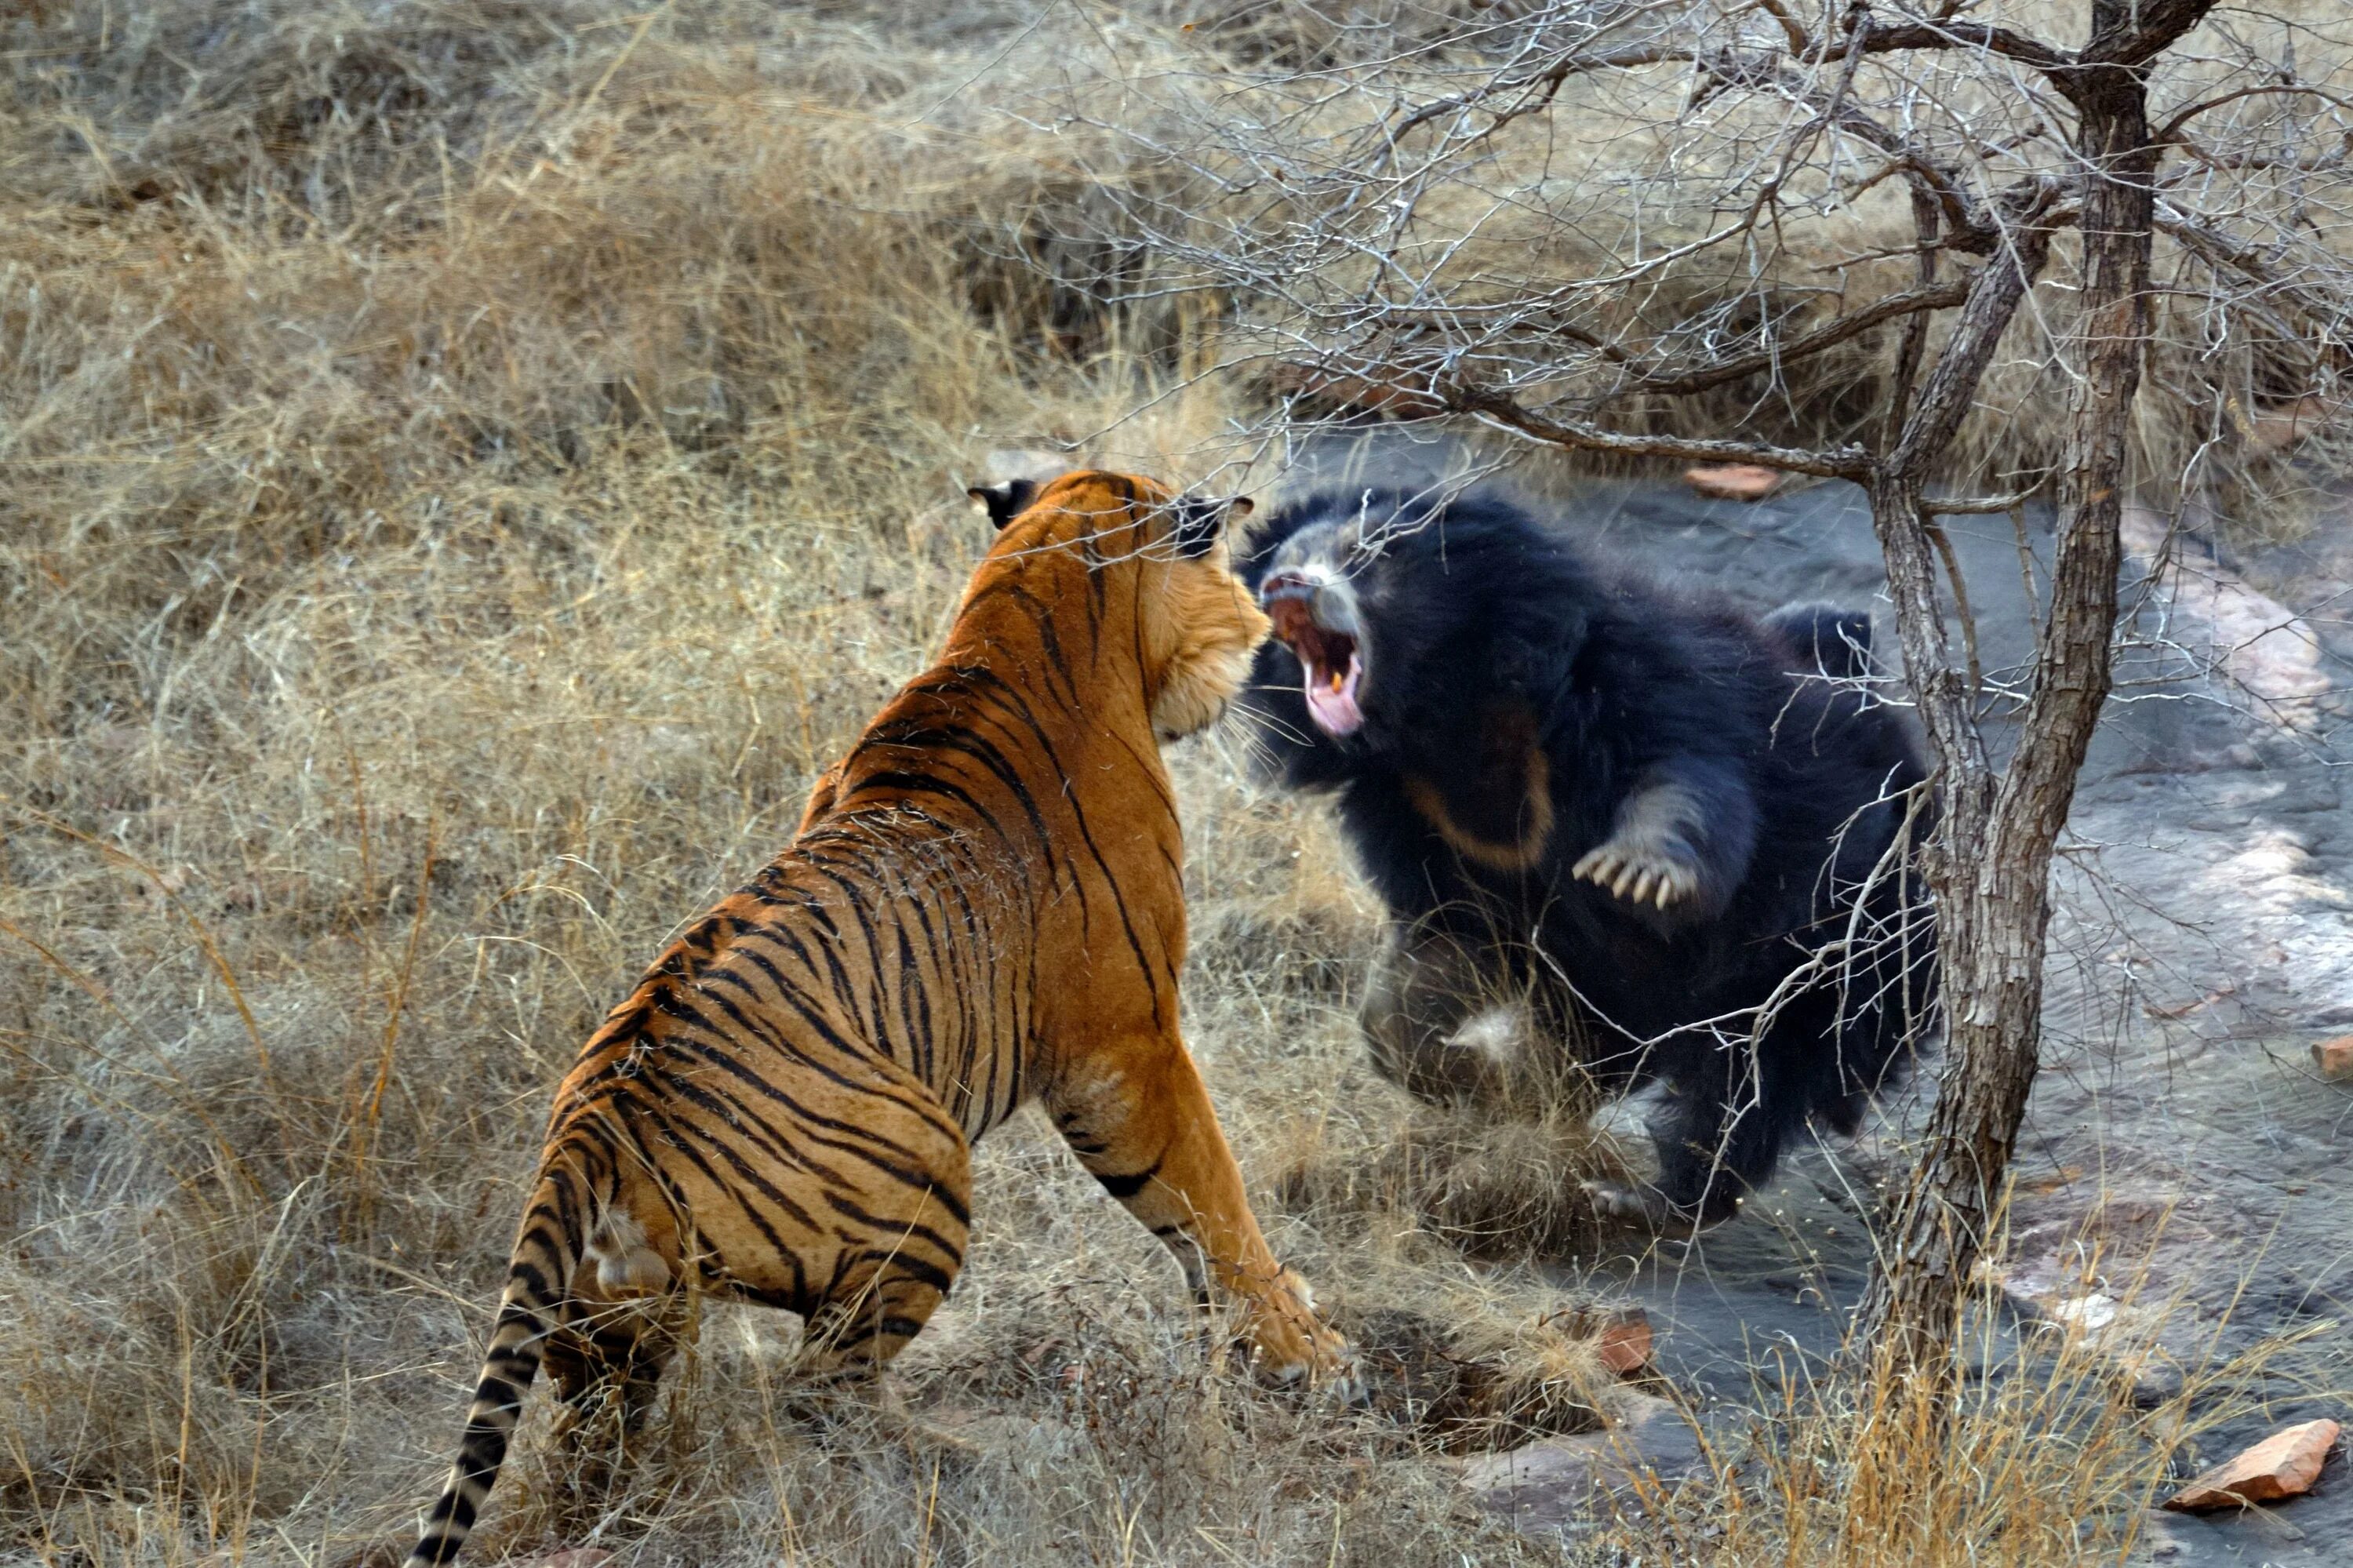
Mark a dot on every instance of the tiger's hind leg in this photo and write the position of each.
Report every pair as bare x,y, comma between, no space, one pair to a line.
905,1227
624,1322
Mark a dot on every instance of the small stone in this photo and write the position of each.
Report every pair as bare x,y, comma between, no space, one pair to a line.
1624,1343
1732,480
569,1557
2283,1465
2334,1058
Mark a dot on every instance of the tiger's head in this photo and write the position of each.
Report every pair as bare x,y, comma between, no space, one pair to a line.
1163,556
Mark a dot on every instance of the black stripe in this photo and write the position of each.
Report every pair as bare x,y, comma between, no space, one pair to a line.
1125,1187
751,1176
850,1131
915,1268
913,782
439,1548
846,986
496,1391
1049,637
882,1225
714,1102
964,742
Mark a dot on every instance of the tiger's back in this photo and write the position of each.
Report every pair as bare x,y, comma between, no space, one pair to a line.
983,906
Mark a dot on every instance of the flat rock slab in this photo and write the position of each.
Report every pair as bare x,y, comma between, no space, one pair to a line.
1563,1482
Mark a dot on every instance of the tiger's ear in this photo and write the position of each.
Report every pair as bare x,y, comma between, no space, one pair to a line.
1200,521
1004,501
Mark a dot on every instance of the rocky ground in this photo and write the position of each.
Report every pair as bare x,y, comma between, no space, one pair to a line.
2181,1172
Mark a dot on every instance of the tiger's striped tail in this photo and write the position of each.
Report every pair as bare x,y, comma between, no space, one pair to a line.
539,1279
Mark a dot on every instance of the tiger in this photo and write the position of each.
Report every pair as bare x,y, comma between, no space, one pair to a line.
983,906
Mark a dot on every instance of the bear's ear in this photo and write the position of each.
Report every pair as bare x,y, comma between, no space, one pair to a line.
1197,522
1004,501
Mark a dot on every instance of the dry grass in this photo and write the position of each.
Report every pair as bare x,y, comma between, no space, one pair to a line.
2050,1449
469,467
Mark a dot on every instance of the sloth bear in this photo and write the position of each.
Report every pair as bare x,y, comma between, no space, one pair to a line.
1660,825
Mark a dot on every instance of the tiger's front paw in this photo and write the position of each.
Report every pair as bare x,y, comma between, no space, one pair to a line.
1291,1346
1641,869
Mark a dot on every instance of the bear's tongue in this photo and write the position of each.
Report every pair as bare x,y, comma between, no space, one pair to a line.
1332,699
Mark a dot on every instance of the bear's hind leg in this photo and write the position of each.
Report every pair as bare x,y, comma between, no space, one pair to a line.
1730,1107
1440,1023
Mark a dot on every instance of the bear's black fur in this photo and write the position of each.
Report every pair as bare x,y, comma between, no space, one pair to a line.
1524,729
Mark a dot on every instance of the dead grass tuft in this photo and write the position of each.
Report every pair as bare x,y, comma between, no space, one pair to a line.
1495,1187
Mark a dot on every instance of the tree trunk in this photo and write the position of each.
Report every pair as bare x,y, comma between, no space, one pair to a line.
1991,868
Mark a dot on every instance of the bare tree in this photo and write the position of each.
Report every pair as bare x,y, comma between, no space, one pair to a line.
1910,246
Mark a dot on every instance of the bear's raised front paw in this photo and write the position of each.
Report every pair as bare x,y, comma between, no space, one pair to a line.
1641,870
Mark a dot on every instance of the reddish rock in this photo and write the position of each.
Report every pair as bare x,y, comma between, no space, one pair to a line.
2283,1465
1732,480
1624,1343
570,1557
2334,1058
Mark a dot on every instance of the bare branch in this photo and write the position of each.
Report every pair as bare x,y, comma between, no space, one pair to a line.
1964,505
1829,335
1995,294
2172,129
1844,462
1792,28
2331,312
2002,42
2132,35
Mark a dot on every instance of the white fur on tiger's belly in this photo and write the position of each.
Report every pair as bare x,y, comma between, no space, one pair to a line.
626,1264
1499,1033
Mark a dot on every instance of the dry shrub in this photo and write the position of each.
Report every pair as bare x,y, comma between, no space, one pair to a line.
69,1360
1546,258
1486,1383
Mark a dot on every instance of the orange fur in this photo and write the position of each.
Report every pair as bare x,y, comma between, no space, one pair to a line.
983,906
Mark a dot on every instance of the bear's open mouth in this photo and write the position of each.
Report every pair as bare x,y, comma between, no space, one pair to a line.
1330,659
